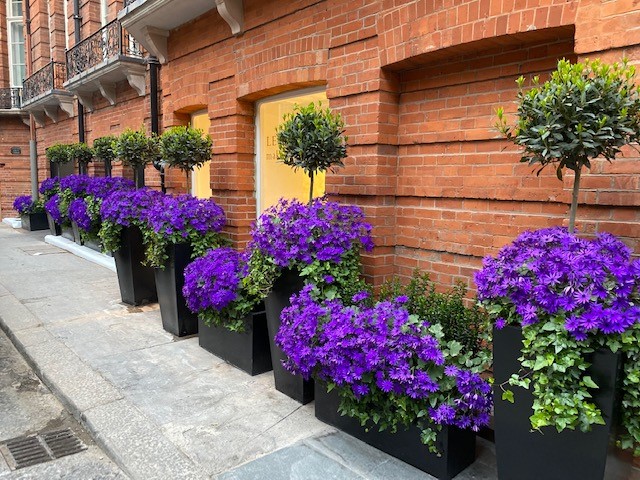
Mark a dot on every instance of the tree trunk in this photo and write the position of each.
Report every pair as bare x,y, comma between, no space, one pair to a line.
311,187
574,199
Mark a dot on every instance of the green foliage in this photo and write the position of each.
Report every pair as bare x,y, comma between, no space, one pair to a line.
156,244
81,152
465,330
312,139
103,148
109,233
584,111
135,149
185,148
58,153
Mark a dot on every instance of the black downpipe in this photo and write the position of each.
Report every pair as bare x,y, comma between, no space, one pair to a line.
154,66
77,19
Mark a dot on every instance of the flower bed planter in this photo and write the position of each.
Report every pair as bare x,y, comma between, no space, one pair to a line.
458,446
293,386
67,232
34,221
137,283
526,455
54,228
76,233
176,317
249,351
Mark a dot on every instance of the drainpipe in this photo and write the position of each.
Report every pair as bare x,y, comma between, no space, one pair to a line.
77,19
154,66
33,153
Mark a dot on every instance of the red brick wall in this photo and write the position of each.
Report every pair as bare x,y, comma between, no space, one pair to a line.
14,175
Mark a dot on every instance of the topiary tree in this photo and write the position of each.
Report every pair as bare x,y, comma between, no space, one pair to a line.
312,139
58,154
103,150
584,111
81,153
185,148
136,150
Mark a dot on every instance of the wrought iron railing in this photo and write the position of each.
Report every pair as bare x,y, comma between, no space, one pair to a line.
108,42
50,77
128,2
10,98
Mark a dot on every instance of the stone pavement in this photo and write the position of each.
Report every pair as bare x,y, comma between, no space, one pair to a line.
162,407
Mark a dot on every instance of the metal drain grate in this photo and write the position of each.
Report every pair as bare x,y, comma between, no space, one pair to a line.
43,447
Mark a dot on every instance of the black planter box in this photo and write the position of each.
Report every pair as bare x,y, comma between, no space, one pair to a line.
293,386
67,232
93,244
54,228
176,316
526,455
249,351
34,221
76,233
137,283
457,447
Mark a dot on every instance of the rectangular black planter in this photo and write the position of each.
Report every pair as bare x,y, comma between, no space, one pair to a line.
93,244
249,351
67,232
137,283
34,221
176,317
457,447
76,233
526,455
54,228
291,385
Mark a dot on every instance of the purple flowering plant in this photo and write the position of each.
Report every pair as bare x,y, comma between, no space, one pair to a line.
123,208
213,289
49,187
570,296
25,205
321,240
51,206
180,219
391,368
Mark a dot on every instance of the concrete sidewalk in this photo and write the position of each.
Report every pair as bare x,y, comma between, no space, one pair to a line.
162,407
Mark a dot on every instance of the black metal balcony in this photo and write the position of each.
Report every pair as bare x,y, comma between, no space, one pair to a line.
48,78
10,98
110,42
128,2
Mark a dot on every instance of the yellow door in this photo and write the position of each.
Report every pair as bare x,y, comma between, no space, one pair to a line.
201,178
275,179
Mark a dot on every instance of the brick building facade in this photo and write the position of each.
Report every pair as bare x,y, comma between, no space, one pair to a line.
416,82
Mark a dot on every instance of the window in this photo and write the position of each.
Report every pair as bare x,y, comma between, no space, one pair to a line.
201,177
274,179
16,43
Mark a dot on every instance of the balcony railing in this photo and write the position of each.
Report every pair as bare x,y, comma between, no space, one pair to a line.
128,2
111,41
50,77
10,98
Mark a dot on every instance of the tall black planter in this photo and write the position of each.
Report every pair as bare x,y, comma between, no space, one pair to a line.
176,316
278,299
54,228
249,351
76,233
137,283
34,221
525,455
457,447
67,232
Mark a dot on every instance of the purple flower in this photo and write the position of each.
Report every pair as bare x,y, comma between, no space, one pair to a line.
53,209
24,205
291,232
552,273
49,187
78,213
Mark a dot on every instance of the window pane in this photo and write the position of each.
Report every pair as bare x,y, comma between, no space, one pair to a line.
16,8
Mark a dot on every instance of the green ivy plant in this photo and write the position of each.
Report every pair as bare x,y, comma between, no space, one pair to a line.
312,139
584,111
